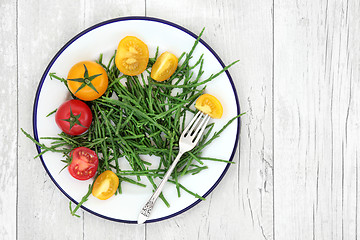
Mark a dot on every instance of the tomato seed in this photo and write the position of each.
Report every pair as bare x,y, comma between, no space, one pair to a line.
133,50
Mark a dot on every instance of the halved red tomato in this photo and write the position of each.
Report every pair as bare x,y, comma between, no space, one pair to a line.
73,117
84,163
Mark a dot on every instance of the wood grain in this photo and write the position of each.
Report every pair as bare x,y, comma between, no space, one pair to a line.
241,206
42,29
8,119
316,86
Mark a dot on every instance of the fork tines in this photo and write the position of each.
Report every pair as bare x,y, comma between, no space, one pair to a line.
196,127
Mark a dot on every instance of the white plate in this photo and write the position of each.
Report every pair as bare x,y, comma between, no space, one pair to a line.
104,38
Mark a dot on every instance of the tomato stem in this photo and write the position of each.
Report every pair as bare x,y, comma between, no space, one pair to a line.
73,119
85,80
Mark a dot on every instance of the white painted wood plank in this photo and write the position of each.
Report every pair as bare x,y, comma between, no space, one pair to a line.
98,11
95,12
316,119
8,120
241,206
43,211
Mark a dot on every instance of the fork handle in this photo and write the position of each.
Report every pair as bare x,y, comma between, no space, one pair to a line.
146,210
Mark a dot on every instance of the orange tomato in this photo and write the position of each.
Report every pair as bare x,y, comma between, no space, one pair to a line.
164,67
132,56
210,105
105,185
87,80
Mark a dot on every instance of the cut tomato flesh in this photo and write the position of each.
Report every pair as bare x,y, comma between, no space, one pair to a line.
102,188
105,185
210,105
164,67
132,56
84,163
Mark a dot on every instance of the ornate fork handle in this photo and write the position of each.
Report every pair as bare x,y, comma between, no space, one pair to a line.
146,210
188,140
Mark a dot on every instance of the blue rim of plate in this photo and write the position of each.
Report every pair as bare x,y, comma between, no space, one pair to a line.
129,19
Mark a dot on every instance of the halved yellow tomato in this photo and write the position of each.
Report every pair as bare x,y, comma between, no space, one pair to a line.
87,80
105,185
210,105
132,56
164,67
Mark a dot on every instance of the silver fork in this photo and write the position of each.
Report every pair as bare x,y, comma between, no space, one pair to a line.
188,140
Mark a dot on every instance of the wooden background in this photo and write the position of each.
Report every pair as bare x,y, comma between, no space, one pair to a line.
296,172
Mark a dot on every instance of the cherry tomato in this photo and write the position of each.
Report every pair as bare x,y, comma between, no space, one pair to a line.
164,67
132,56
73,117
87,80
210,105
84,163
105,185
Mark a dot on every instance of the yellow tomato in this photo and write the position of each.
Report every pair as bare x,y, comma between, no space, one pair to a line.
164,67
210,105
87,80
105,185
132,56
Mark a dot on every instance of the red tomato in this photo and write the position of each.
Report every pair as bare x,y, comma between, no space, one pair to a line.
73,117
84,163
